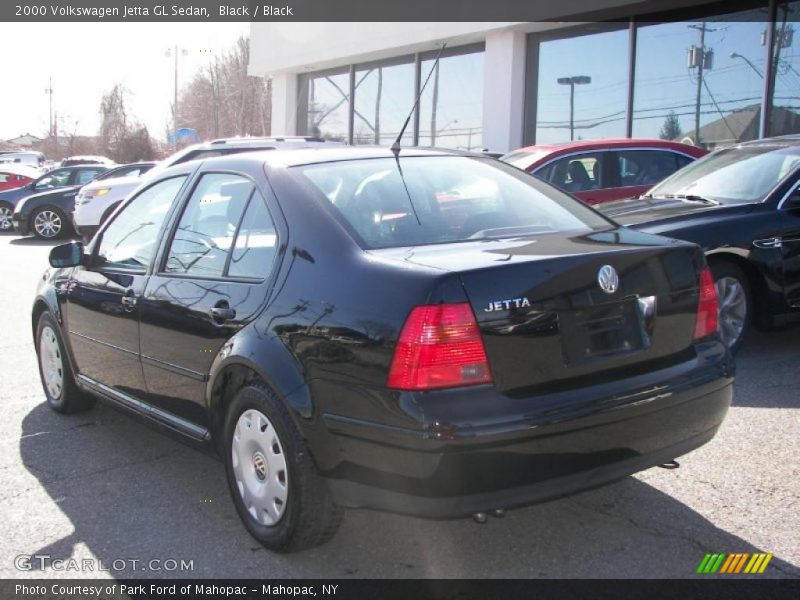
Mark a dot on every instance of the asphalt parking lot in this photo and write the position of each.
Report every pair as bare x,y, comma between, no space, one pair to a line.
102,486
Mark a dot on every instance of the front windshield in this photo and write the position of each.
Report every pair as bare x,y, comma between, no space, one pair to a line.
732,176
436,199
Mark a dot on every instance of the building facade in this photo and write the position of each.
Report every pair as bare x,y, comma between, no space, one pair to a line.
707,73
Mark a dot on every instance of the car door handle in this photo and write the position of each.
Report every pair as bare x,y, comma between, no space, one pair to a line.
219,314
129,300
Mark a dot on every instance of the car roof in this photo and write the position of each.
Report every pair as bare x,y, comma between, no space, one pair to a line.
607,143
781,141
305,156
20,169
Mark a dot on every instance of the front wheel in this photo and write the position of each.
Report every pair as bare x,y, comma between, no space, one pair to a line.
273,481
5,217
48,223
58,383
733,295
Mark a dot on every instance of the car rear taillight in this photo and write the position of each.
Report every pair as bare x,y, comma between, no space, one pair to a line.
707,306
440,346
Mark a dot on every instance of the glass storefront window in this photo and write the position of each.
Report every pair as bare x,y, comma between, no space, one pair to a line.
593,69
384,95
328,105
451,107
701,81
785,111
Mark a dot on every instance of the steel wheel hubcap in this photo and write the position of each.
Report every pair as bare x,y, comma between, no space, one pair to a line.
51,361
47,224
259,467
5,218
732,309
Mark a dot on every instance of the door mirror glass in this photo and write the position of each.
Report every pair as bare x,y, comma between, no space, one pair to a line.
66,255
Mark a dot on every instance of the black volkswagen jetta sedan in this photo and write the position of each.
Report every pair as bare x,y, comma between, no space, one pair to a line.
429,333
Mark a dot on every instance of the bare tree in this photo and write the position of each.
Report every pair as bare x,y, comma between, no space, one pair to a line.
121,138
222,100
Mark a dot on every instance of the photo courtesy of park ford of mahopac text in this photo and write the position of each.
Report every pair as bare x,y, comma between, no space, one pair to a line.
412,300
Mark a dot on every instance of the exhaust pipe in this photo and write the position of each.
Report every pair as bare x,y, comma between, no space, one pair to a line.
481,517
673,464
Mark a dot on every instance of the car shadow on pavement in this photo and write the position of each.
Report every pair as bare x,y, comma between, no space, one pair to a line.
767,373
131,493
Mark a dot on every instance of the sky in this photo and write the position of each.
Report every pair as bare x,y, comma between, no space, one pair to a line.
85,60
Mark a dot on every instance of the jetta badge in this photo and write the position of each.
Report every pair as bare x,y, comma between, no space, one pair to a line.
496,305
608,279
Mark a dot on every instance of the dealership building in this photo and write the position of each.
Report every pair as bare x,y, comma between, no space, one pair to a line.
705,73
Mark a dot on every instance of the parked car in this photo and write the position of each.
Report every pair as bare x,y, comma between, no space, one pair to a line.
742,205
346,332
58,178
603,170
72,161
96,202
30,158
45,214
15,176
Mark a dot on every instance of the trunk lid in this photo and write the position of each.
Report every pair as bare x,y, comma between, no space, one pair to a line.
546,321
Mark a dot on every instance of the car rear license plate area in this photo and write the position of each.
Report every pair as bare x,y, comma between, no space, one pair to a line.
602,331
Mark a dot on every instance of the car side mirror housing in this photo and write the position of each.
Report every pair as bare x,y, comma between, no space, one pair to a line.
66,255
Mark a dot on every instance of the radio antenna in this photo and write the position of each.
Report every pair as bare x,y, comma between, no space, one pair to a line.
396,145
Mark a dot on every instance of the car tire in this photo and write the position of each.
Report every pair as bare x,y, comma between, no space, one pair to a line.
48,223
58,381
273,480
735,303
6,210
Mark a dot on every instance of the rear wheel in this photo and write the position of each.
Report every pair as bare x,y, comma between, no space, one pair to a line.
63,395
48,223
733,295
5,217
273,481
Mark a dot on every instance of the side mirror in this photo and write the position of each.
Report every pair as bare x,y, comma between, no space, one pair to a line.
66,255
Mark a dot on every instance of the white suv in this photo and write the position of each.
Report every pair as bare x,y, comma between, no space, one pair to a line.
96,201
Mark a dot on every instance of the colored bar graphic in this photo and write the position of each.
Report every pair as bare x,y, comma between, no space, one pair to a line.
738,562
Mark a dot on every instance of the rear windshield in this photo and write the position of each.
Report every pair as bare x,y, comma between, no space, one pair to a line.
436,199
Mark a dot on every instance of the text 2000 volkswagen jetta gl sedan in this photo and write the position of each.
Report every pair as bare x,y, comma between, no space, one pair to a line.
427,333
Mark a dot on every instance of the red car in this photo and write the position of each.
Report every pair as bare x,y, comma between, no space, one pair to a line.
14,176
603,170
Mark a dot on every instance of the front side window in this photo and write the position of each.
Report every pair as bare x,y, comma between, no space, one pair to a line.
208,225
131,239
576,173
429,200
57,178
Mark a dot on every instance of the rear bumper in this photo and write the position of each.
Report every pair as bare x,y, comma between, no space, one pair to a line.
457,467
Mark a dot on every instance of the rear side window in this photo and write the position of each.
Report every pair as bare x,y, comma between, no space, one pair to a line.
436,199
130,240
256,242
647,167
84,177
208,225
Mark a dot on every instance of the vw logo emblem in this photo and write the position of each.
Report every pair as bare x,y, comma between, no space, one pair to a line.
608,279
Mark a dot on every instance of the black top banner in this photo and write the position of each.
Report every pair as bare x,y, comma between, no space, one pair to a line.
340,10
387,589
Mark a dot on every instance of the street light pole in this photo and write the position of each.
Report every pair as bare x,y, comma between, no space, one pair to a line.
176,50
747,60
572,82
49,92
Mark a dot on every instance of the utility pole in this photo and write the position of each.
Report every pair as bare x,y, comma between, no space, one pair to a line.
176,50
701,59
434,103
